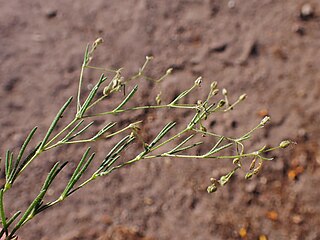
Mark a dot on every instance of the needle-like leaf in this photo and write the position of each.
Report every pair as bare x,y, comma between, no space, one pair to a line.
91,95
129,96
54,123
161,134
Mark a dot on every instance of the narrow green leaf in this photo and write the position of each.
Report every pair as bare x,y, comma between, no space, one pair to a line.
182,143
52,174
78,176
8,165
80,132
42,208
32,209
84,168
216,145
72,130
24,163
23,148
2,213
221,148
13,218
28,211
77,170
54,123
75,173
113,150
182,95
186,148
161,134
121,145
193,120
129,96
110,163
104,130
9,222
91,95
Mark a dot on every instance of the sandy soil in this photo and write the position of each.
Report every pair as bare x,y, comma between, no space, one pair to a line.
260,47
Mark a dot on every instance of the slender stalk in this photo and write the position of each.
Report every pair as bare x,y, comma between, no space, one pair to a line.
160,146
113,112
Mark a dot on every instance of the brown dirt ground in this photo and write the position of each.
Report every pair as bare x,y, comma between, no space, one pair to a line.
260,47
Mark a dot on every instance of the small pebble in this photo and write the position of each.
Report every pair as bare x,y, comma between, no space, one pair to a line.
148,201
51,14
306,11
89,86
243,232
231,4
263,180
263,237
106,219
218,47
272,215
297,219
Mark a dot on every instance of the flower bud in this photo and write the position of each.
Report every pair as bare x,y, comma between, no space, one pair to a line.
212,188
236,161
242,97
106,91
215,92
253,164
284,144
169,71
98,41
198,81
221,103
264,121
224,92
148,58
248,175
213,85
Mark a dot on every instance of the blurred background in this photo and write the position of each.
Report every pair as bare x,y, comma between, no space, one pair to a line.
268,49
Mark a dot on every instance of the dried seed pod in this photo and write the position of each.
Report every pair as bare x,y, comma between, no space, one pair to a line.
212,188
253,164
221,103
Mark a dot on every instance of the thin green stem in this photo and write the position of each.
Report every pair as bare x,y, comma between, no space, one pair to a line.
102,69
204,156
85,61
181,106
79,89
